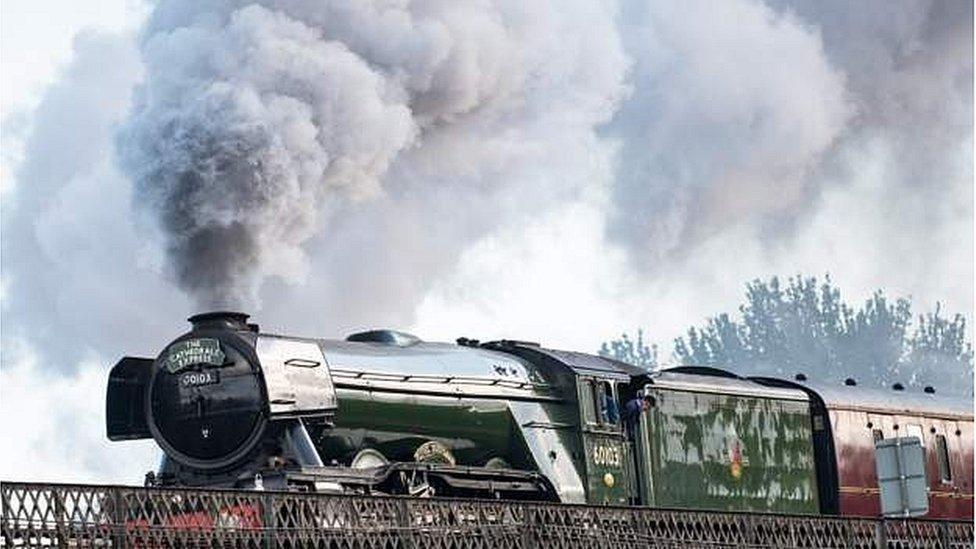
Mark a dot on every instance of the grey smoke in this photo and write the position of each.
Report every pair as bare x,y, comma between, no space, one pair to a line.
252,122
241,130
726,125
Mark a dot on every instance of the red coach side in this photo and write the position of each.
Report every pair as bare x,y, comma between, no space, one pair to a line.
859,417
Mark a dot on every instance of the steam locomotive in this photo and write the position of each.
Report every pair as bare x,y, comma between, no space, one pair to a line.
383,412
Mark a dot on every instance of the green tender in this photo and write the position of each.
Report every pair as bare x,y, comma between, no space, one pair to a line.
763,463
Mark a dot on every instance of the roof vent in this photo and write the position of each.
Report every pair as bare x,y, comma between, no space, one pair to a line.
898,387
929,389
850,382
513,343
800,377
387,337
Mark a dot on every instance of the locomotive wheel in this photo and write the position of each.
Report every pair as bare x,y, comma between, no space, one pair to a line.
433,451
367,458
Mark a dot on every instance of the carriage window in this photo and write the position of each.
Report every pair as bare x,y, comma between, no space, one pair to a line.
878,435
945,471
587,400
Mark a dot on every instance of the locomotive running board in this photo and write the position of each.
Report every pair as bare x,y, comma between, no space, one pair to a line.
393,479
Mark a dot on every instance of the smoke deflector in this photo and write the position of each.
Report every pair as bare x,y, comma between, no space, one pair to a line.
297,377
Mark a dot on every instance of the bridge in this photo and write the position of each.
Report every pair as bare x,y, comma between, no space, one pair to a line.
73,515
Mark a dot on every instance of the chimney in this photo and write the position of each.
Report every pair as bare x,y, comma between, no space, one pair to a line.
220,320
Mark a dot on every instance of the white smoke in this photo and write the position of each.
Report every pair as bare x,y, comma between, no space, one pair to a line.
726,123
80,287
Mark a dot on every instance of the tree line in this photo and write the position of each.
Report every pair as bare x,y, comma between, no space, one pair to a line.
805,326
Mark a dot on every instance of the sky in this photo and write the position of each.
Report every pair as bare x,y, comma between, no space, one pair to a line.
557,172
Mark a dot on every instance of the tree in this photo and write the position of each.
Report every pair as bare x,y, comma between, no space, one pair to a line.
630,351
938,346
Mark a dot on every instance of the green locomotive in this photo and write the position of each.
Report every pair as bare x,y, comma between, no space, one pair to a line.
384,412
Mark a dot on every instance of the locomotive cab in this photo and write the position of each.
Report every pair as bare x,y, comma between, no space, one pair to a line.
607,451
601,450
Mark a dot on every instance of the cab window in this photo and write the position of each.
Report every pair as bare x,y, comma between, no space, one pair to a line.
606,402
598,403
587,401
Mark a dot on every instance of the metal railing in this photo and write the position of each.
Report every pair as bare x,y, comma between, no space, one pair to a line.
60,515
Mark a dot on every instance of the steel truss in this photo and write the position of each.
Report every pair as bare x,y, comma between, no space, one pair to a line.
62,515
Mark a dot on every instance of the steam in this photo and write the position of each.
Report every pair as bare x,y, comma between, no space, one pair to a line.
726,123
252,122
760,137
241,132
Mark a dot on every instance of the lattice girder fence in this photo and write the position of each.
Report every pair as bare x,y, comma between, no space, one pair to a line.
58,515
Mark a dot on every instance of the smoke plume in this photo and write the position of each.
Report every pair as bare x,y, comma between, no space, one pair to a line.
242,129
252,122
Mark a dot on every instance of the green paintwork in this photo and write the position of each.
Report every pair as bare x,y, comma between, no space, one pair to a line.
608,461
394,399
607,453
694,455
476,430
527,435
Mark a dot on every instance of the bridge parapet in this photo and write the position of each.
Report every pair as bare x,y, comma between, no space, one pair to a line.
63,515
